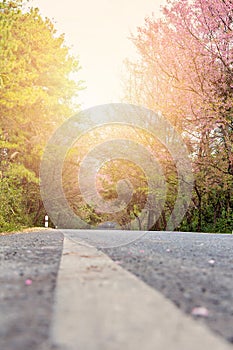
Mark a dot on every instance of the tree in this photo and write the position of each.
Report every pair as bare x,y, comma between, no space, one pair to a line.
121,178
185,71
36,95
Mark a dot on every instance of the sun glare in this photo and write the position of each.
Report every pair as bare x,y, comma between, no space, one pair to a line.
98,33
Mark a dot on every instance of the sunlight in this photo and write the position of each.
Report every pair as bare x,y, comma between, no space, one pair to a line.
98,33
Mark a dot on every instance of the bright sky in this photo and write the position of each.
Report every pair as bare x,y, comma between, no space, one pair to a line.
98,31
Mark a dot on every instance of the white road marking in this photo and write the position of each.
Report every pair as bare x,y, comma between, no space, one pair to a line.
100,306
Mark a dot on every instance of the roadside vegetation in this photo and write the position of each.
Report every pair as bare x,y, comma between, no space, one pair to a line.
184,71
36,96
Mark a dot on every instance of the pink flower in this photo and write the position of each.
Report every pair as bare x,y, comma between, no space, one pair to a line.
28,282
200,311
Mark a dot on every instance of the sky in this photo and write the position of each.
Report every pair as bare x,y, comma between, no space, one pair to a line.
98,32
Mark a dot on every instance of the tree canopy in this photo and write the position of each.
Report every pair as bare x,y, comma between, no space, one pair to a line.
37,93
184,69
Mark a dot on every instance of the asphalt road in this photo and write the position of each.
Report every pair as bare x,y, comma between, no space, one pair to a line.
28,269
190,269
193,270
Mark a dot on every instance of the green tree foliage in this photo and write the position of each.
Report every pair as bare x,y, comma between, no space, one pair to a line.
36,96
117,180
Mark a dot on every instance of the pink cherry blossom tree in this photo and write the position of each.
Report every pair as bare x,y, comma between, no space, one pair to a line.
185,70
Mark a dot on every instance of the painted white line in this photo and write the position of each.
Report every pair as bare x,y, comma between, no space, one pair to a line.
100,306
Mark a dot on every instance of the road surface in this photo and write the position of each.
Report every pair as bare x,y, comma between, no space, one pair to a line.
192,270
